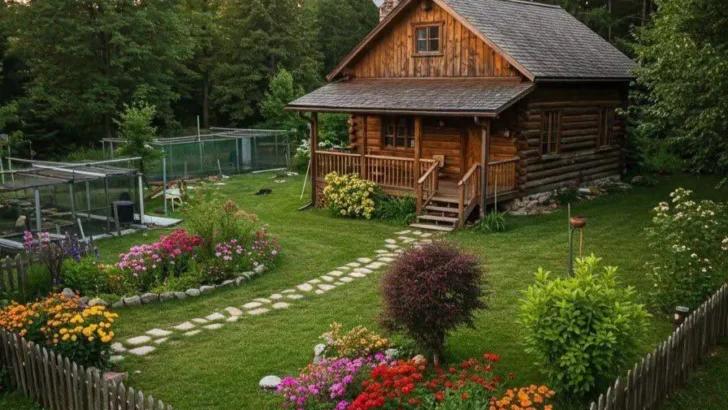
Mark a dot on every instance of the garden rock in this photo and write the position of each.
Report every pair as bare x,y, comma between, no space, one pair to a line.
132,301
118,304
227,283
166,296
269,382
639,180
83,300
180,295
260,269
114,377
239,281
193,292
98,302
206,289
68,293
149,298
318,352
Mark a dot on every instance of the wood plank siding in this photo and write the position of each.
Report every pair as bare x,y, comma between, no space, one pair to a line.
463,54
579,157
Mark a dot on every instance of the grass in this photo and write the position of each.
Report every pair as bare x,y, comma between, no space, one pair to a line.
220,370
707,388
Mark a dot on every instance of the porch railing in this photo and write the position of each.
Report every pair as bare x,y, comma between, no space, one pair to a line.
340,162
427,186
502,176
470,189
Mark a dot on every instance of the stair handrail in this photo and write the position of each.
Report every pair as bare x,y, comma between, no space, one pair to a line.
432,174
463,185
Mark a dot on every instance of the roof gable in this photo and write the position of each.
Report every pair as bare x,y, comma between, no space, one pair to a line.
541,41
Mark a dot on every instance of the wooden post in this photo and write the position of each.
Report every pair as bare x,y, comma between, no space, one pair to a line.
141,199
314,161
484,160
418,148
364,147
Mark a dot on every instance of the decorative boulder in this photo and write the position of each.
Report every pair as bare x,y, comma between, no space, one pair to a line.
260,269
180,295
118,304
166,296
318,352
149,298
638,180
239,281
206,289
132,301
68,293
227,283
97,302
192,292
269,382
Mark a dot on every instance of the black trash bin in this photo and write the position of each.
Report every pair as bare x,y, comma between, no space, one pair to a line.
126,211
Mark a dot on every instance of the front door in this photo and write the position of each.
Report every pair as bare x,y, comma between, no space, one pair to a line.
472,149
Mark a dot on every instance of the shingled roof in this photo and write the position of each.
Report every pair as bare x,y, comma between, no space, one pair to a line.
546,40
415,96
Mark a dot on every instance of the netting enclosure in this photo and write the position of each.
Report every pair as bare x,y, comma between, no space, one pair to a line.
225,151
78,198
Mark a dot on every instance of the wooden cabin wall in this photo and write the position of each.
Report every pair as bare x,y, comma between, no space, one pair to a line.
579,159
437,139
464,54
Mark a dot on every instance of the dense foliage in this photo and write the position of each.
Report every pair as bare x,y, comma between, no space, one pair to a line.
349,195
683,79
429,291
357,342
689,244
581,329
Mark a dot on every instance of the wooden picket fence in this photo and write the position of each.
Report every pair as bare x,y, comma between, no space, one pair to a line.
667,368
59,384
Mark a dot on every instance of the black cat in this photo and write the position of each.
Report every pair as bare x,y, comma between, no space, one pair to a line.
264,191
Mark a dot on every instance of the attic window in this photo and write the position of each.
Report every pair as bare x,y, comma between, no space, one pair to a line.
428,39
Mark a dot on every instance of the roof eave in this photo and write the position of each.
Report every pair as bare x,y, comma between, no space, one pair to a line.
542,79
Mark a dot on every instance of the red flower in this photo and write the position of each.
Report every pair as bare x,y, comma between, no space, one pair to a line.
439,396
465,396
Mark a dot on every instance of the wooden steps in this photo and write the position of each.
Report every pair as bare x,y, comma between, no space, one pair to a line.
441,214
433,227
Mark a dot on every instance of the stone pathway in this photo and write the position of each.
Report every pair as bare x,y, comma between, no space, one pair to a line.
143,345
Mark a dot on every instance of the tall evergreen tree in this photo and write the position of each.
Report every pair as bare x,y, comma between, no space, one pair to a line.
87,58
343,24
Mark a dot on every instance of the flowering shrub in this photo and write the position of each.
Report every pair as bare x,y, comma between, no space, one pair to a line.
582,329
236,256
391,386
429,291
177,249
358,342
689,243
142,265
215,220
51,254
349,195
80,333
331,383
525,398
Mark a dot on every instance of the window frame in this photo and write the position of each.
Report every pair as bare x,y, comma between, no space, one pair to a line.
547,128
409,138
605,137
416,27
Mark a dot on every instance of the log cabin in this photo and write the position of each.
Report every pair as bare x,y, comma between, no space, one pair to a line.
460,102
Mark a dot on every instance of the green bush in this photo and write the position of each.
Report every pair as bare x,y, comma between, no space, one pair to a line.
401,210
581,329
492,222
208,216
39,282
349,195
566,195
85,276
188,280
688,240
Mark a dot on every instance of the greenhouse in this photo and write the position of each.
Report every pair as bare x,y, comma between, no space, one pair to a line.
85,199
225,151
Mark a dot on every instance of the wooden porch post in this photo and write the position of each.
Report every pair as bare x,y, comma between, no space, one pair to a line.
418,147
314,160
484,160
364,147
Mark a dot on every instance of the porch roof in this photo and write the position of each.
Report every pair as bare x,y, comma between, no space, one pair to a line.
471,97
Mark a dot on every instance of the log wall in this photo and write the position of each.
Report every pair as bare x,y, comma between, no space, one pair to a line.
463,53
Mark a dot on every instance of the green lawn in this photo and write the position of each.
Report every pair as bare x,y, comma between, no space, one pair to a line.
220,369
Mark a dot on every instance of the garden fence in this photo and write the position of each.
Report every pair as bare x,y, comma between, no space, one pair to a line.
13,270
667,368
59,384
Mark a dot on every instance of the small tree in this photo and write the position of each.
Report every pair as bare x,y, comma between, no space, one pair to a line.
135,125
281,91
429,291
581,329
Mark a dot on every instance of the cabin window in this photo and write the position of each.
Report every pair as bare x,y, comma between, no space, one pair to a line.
606,126
550,132
427,39
398,132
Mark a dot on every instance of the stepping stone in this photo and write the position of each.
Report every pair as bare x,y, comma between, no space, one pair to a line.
118,347
386,259
408,240
357,275
426,241
343,268
257,311
139,340
142,351
320,292
425,235
363,270
335,273
354,264
305,287
262,300
116,358
326,287
215,316
314,281
276,296
327,278
213,326
199,320
405,232
281,305
364,260
295,296
234,311
339,283
252,305
184,326
399,251
160,341
404,238
289,291
192,333
159,333
232,319
381,251
417,233
390,241
346,279
391,246
375,265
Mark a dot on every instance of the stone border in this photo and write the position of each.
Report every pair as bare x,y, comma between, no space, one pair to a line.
148,298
